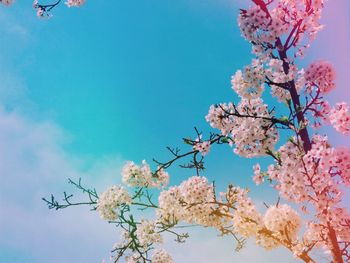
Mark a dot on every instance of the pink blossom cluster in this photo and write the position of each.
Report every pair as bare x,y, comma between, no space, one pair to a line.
339,218
263,29
141,176
343,163
202,146
130,259
75,3
299,176
339,117
249,84
307,13
314,178
316,233
322,75
7,2
257,27
289,172
39,10
320,113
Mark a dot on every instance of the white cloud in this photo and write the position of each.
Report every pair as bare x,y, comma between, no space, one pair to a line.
33,163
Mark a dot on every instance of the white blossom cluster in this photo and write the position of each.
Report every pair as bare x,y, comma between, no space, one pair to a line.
170,209
110,200
252,136
279,224
266,241
220,117
141,176
192,201
249,84
291,181
275,73
283,221
161,256
258,177
131,259
247,221
147,233
250,131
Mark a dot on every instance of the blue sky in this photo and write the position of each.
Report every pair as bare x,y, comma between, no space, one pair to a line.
92,87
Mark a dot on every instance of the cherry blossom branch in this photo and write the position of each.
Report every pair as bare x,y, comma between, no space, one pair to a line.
281,85
295,28
44,9
272,120
195,163
292,89
47,7
92,195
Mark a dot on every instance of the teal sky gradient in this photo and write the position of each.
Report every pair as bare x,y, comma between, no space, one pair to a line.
120,73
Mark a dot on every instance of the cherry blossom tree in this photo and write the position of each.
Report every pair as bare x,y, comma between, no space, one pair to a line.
308,173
